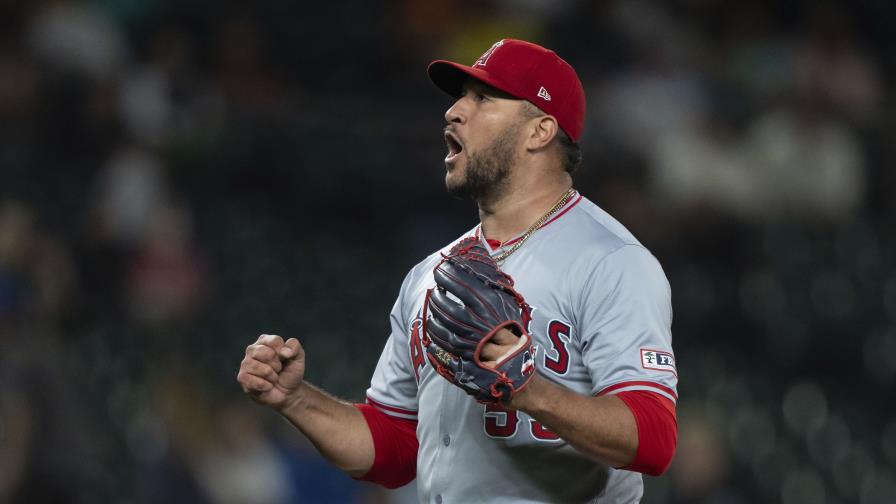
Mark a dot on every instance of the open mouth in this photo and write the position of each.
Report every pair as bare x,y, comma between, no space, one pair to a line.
455,147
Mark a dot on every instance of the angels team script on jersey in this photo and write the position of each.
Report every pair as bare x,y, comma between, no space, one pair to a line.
498,421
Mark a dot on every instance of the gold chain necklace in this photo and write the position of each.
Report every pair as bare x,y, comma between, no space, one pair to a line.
557,206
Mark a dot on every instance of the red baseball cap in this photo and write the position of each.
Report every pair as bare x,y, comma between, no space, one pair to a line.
524,70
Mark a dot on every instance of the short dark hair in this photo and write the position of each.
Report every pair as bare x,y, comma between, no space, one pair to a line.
570,151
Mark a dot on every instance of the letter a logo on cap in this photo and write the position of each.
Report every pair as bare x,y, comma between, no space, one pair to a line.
543,94
488,54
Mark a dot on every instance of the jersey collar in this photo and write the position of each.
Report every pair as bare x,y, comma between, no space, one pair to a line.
494,245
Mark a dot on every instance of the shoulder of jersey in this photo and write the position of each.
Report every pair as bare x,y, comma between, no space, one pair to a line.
590,227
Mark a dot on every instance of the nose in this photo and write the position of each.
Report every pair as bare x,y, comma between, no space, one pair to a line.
455,113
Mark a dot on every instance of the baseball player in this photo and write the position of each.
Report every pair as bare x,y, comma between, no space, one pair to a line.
531,359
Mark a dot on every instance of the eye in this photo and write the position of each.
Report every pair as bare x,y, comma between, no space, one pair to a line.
476,96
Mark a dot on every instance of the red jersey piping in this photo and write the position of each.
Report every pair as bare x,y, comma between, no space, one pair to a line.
650,384
393,409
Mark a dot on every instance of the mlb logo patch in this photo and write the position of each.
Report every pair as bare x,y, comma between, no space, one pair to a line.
657,359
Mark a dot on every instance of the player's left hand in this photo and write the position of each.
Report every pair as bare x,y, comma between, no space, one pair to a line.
476,337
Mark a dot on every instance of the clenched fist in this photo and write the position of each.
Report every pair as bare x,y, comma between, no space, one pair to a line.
272,371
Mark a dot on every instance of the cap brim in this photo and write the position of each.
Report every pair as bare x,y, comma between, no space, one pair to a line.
450,76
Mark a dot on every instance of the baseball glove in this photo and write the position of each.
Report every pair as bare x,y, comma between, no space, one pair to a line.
473,299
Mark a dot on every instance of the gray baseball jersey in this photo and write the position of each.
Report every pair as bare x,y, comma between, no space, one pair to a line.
601,318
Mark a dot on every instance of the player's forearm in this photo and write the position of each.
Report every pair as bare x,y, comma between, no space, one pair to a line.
602,427
336,428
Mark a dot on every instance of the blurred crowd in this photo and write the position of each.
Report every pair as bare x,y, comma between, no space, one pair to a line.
179,177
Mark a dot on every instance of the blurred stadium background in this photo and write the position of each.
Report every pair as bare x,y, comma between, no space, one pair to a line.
178,177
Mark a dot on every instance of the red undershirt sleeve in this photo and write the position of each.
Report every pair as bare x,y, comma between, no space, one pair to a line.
657,430
395,448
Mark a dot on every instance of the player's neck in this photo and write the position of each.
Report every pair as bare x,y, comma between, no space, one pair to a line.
518,208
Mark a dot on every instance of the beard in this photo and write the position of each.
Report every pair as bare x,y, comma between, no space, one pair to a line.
488,171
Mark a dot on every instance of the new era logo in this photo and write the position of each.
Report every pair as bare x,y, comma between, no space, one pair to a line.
657,359
543,94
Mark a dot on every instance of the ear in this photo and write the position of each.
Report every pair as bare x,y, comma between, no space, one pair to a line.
542,131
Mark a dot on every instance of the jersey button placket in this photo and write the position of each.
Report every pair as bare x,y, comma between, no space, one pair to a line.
448,419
